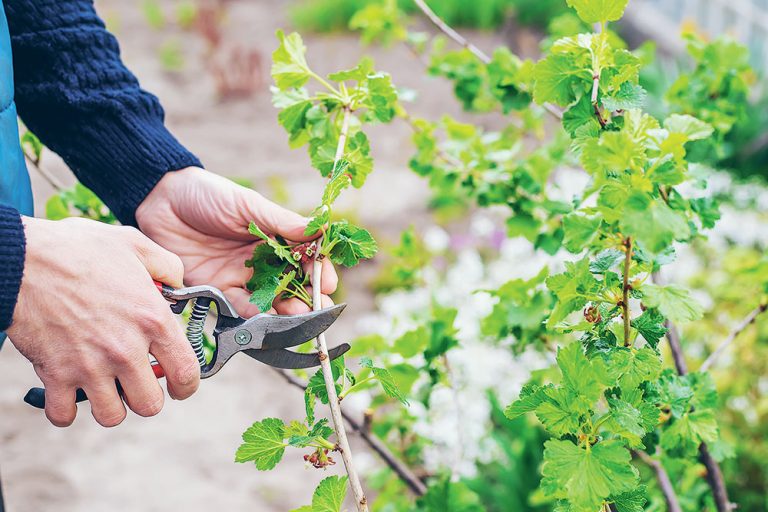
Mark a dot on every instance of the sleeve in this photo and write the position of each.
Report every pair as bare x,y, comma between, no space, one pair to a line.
75,94
12,247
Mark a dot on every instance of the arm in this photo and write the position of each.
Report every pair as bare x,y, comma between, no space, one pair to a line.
74,92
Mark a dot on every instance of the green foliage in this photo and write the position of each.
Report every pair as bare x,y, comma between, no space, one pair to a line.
78,201
328,497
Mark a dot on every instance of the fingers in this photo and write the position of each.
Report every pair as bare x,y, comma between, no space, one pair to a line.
60,408
329,278
296,307
174,353
142,391
162,265
106,405
273,218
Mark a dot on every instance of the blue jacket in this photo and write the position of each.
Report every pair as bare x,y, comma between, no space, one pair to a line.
73,91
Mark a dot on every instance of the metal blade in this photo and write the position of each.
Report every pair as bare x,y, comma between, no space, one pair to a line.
289,331
280,358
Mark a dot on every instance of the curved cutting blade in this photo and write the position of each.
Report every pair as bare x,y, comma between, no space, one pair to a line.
292,330
280,358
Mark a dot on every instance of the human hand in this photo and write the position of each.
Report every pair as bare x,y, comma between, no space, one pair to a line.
88,313
203,218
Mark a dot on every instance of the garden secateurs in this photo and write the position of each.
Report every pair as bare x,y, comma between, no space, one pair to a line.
264,337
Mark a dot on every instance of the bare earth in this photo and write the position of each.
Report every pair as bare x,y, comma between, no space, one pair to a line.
183,459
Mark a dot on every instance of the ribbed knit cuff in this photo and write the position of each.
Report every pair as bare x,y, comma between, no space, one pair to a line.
133,150
12,248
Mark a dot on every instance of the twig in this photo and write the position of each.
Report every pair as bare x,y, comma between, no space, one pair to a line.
464,43
450,32
325,362
749,320
665,484
47,176
390,459
714,473
625,290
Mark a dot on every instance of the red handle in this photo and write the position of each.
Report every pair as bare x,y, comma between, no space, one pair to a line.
159,372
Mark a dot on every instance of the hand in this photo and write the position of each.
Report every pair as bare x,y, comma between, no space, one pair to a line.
203,218
88,313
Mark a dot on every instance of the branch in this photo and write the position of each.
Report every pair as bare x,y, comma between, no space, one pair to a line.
325,362
749,320
665,484
464,43
714,473
625,290
47,176
450,32
398,466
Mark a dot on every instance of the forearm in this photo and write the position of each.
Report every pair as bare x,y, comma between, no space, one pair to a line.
12,248
74,92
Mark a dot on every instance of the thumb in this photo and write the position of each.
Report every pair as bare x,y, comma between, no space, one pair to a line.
162,265
276,220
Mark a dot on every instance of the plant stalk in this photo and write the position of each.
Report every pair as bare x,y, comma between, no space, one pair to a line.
406,475
715,477
749,320
625,290
361,502
665,484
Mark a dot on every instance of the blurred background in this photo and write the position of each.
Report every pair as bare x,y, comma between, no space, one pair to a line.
208,61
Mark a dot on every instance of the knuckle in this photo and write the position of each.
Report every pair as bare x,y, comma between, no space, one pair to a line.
122,355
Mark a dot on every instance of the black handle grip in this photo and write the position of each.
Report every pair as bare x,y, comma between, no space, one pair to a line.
36,397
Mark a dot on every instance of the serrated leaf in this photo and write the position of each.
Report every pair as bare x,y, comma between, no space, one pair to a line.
599,11
267,271
631,367
673,302
289,64
328,496
605,261
556,77
338,181
586,477
263,444
653,223
386,380
692,128
562,411
531,396
629,96
627,422
651,327
580,230
632,501
350,244
684,436
279,249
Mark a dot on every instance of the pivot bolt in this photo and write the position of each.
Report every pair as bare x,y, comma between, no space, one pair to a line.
243,337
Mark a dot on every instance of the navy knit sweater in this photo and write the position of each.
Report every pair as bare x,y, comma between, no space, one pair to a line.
73,91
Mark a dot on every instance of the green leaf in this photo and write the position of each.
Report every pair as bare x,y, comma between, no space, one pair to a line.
673,302
629,96
580,230
587,477
289,64
627,422
599,11
386,380
282,251
632,501
580,375
573,288
267,271
337,183
631,367
692,128
557,77
605,261
56,208
651,327
350,244
382,98
263,444
684,436
613,152
328,496
412,342
562,412
447,496
654,224
581,116
531,396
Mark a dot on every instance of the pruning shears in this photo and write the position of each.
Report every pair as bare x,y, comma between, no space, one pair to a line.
264,337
